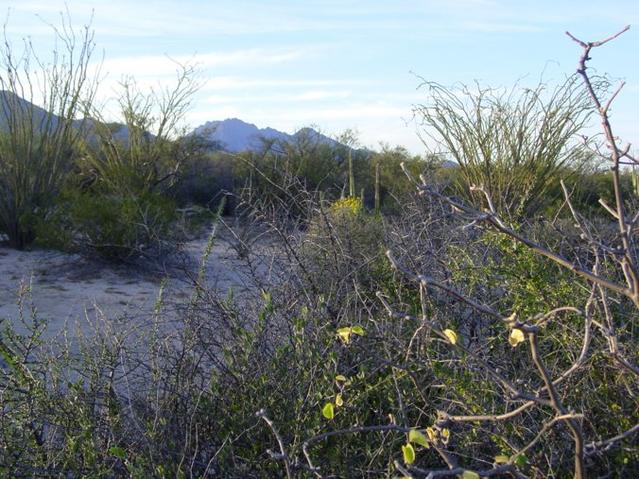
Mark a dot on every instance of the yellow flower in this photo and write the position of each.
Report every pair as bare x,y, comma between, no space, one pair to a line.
347,206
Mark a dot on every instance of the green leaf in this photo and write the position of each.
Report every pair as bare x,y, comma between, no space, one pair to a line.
341,378
418,437
467,474
521,460
8,357
344,334
266,296
328,411
409,453
117,452
358,330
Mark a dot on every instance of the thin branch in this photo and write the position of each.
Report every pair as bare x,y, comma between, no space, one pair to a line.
282,456
351,430
557,258
594,447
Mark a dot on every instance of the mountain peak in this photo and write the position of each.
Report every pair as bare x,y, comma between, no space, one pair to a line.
236,135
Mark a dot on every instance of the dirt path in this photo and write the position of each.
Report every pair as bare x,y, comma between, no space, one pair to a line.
69,290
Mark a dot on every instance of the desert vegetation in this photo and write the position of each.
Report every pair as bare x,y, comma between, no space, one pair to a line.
406,319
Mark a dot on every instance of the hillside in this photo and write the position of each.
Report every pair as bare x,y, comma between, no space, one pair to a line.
235,135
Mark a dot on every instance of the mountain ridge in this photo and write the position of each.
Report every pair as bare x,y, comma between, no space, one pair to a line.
232,134
236,135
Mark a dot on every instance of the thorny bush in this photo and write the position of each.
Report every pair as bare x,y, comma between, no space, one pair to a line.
491,349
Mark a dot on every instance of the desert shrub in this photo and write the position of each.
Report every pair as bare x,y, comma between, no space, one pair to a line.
526,289
492,348
177,395
337,379
278,176
204,179
118,227
512,143
588,188
308,163
495,318
342,248
119,201
38,144
383,177
435,365
146,151
335,169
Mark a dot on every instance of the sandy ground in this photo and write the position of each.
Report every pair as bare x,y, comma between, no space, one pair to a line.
69,290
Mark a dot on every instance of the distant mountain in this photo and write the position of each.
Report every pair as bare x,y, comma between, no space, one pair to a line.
232,134
235,135
13,106
309,134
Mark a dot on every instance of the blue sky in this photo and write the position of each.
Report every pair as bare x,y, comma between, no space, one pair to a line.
344,64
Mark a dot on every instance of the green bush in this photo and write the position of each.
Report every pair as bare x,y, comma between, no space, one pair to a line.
341,249
38,144
118,201
513,143
118,227
115,227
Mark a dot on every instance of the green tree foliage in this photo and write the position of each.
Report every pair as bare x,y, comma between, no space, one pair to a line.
394,186
144,153
118,202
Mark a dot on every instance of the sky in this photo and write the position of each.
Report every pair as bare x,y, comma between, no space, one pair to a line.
342,64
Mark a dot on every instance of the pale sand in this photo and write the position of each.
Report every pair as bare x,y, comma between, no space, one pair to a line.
69,290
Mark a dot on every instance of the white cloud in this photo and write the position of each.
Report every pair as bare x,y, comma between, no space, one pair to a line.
199,117
305,96
164,65
315,95
219,83
250,57
126,18
353,111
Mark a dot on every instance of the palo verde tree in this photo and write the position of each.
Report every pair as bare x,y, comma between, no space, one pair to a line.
122,205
